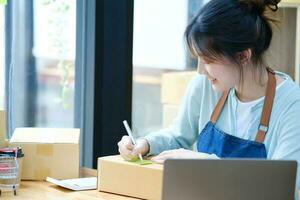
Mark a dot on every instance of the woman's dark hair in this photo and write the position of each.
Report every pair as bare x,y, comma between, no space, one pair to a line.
224,28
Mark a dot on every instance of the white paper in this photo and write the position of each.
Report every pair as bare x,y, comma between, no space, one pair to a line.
76,184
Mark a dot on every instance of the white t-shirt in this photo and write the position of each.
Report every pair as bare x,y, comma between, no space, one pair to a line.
243,115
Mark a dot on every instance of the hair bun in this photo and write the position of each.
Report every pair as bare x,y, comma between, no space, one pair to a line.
259,6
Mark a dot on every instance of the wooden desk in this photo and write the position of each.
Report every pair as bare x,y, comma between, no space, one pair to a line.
42,190
39,190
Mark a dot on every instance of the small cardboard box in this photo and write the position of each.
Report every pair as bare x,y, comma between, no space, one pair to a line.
122,177
173,86
48,152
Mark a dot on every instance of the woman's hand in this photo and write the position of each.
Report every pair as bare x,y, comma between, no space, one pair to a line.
129,151
179,154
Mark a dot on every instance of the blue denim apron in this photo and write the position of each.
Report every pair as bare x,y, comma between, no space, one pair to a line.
211,140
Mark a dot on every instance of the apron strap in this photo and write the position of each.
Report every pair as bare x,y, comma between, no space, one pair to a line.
218,109
267,107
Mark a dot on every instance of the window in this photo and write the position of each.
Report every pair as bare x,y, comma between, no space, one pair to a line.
54,52
42,63
159,53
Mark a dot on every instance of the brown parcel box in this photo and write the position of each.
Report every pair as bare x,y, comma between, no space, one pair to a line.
2,126
174,85
121,177
48,152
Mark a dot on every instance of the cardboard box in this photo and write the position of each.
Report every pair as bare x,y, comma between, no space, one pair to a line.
169,114
122,177
4,143
173,86
48,152
2,126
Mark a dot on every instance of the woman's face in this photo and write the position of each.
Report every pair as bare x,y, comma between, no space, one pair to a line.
221,73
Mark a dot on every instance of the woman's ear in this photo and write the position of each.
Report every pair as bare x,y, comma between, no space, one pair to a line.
244,57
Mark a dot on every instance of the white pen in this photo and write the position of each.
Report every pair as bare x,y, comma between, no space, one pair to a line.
131,136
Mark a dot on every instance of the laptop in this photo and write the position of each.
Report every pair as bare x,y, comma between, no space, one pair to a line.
188,179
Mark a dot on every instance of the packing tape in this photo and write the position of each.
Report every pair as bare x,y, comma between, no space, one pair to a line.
44,149
41,173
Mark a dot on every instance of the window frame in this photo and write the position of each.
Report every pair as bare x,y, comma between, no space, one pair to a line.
104,56
26,71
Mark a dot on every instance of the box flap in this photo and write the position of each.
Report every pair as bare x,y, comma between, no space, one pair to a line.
46,135
118,159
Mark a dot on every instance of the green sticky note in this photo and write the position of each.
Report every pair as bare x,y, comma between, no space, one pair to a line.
141,162
4,2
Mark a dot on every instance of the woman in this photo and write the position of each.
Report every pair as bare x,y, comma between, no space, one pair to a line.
238,107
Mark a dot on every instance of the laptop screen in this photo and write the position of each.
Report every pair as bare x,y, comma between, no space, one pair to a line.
229,179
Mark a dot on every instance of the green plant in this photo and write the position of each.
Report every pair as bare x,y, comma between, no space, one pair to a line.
3,2
61,45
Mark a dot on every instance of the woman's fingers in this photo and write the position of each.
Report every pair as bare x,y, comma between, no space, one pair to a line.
126,142
159,161
126,147
125,156
129,151
123,150
178,154
160,158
